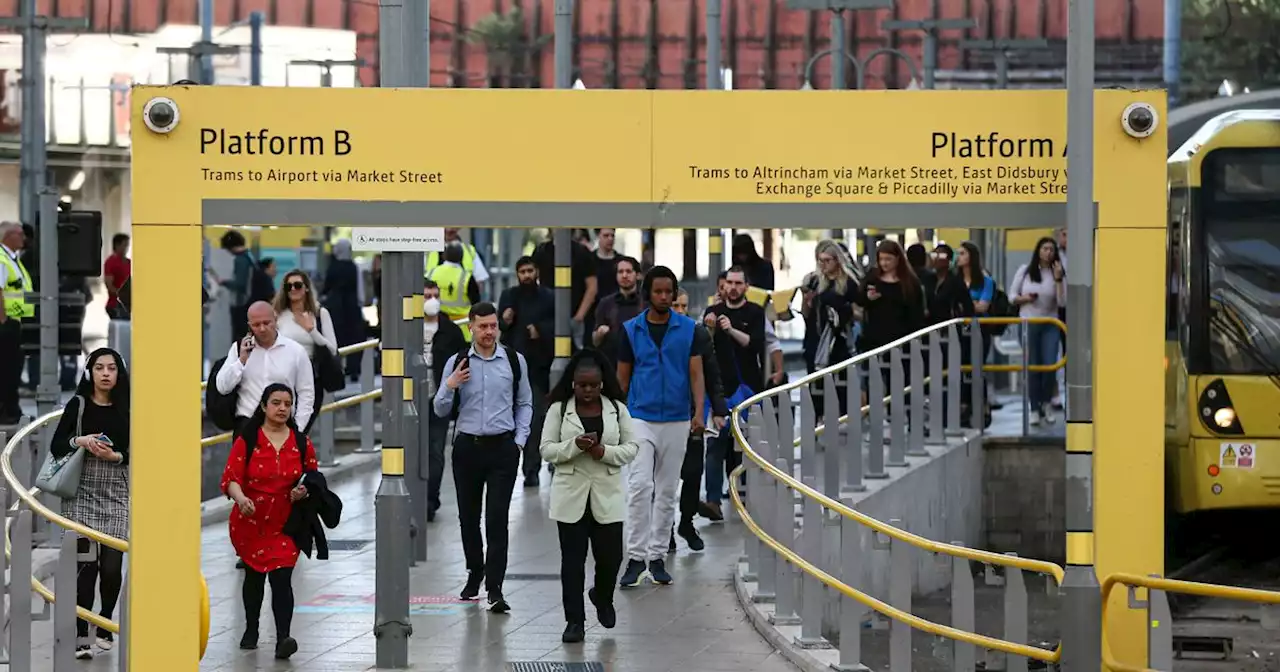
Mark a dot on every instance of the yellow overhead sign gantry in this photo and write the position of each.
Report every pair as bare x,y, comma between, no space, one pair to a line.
677,159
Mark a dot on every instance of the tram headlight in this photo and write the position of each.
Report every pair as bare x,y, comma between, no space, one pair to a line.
1217,413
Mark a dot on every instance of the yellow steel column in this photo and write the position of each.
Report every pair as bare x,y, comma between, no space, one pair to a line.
164,516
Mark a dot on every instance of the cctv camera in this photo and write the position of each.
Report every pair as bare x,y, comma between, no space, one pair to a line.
1139,120
160,115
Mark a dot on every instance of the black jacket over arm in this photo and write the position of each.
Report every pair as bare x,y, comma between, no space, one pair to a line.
321,505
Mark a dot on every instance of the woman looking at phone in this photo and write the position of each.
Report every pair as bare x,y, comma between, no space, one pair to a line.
101,407
1039,289
264,478
587,435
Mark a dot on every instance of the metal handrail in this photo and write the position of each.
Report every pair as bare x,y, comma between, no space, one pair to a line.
986,557
1172,586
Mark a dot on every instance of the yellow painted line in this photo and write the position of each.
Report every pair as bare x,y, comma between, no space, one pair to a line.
1079,548
393,363
392,461
564,277
1080,437
408,389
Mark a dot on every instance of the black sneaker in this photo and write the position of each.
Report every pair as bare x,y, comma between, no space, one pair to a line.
634,573
250,640
531,481
471,591
285,648
607,615
498,605
690,535
83,652
574,633
658,572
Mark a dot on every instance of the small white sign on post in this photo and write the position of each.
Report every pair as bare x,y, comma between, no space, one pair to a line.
398,239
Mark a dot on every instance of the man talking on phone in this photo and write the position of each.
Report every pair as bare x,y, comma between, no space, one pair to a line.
264,357
488,385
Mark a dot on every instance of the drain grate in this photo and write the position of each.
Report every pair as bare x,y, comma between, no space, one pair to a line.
533,577
539,666
348,545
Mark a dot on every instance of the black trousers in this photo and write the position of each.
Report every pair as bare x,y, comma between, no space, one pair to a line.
484,476
253,590
532,446
11,361
605,540
691,477
436,439
105,572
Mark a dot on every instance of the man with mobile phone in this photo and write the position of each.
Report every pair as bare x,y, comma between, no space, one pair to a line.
264,357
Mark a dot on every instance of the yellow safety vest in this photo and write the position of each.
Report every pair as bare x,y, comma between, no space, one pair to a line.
755,295
17,286
432,261
453,282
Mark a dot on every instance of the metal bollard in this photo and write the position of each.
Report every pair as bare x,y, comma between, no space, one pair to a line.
833,444
852,613
915,435
808,433
1026,376
964,656
1160,631
977,407
937,385
367,444
783,532
750,544
954,380
785,439
761,491
64,606
20,595
324,447
875,419
1015,615
810,545
853,436
898,411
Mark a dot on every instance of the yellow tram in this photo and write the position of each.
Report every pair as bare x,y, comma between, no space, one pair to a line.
1222,389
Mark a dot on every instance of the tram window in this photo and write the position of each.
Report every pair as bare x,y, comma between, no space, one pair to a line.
1243,258
1245,175
1177,201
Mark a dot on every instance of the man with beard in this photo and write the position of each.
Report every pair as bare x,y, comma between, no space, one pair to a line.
527,315
617,308
737,334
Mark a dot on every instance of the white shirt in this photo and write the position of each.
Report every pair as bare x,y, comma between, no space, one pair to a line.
321,336
284,362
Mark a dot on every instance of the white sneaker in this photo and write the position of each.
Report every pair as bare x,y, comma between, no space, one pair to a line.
1035,418
1049,416
104,643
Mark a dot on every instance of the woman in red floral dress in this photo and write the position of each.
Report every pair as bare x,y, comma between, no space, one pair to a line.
264,482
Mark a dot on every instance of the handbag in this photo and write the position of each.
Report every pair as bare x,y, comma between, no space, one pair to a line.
61,476
327,370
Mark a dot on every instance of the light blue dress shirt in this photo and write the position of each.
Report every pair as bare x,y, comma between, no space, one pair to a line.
487,407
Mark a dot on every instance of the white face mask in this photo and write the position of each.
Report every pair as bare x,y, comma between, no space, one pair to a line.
431,307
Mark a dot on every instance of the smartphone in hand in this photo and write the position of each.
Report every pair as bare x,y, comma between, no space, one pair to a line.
105,439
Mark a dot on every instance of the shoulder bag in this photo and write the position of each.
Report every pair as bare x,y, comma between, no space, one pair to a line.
326,365
61,476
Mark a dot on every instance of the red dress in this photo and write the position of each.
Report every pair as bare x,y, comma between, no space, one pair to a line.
259,539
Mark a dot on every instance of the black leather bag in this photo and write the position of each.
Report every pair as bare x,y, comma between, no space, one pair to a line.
327,366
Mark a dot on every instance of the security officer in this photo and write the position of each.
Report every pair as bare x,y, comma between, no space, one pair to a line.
15,285
458,288
471,261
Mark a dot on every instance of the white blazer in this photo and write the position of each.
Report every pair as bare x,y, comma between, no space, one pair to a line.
578,475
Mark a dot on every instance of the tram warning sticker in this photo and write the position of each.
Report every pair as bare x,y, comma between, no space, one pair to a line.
1236,456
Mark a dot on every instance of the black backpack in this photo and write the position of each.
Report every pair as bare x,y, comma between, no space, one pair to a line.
261,287
564,407
1000,307
512,358
218,407
252,442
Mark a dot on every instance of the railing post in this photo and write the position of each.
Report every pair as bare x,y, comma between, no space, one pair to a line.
761,490
915,442
1025,340
785,433
964,656
937,384
64,606
853,434
977,407
808,433
810,545
900,566
832,444
784,516
122,642
20,595
750,544
324,447
1015,615
367,444
898,412
852,613
1160,632
875,419
954,380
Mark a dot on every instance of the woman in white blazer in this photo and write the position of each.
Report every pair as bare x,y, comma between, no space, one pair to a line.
587,436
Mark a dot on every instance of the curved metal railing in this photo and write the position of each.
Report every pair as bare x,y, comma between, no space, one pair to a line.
28,495
811,495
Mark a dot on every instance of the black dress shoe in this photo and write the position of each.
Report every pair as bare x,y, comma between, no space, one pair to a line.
249,640
285,648
605,613
574,633
471,591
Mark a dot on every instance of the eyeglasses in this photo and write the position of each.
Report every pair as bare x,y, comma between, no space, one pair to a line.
296,285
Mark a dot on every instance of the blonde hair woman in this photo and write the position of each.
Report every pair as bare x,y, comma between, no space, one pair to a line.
300,318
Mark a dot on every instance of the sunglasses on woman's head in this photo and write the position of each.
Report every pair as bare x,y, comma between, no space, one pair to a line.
296,285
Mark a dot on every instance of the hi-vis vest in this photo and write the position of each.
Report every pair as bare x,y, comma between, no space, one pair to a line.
776,304
432,261
17,286
453,282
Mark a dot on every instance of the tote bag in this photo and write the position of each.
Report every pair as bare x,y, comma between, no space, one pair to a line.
61,476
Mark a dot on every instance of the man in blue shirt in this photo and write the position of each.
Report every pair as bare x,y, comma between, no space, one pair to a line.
495,407
661,348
